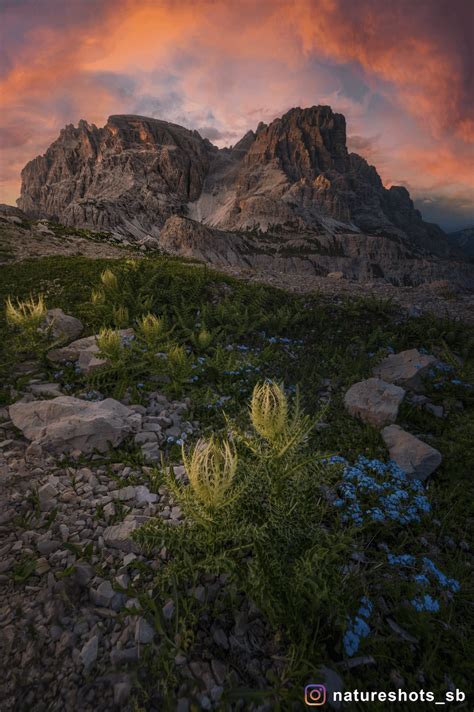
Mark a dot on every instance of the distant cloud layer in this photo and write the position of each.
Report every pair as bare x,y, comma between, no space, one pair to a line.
400,72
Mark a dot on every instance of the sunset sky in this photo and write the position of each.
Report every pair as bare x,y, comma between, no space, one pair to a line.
400,70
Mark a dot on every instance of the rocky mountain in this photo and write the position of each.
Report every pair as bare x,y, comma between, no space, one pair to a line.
289,189
463,240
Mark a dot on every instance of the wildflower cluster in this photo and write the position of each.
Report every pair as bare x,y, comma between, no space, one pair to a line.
357,628
428,575
374,491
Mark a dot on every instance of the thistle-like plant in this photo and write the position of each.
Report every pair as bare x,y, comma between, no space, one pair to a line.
110,344
211,469
109,279
152,329
202,340
178,366
27,317
269,410
120,316
27,314
271,418
97,297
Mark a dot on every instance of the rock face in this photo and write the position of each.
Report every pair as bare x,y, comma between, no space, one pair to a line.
130,175
65,424
374,401
407,368
414,456
288,196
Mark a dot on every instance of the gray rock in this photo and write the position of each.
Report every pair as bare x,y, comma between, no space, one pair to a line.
407,368
63,326
66,424
122,692
124,494
120,657
144,496
47,496
89,652
85,351
102,595
46,546
374,401
45,389
119,536
144,633
83,574
412,455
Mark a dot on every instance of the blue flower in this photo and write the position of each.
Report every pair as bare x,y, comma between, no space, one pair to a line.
425,603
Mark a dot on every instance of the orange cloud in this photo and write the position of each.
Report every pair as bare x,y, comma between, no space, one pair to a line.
227,65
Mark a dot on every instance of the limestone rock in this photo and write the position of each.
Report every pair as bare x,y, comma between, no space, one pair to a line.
412,455
374,401
407,368
63,326
65,424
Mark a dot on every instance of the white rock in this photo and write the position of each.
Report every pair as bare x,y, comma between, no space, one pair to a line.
63,326
66,424
406,368
374,401
412,455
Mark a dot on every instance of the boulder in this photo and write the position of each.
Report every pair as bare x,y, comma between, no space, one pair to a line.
84,351
374,401
412,455
65,424
406,368
63,326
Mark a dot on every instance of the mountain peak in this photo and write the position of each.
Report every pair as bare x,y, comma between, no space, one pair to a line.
293,174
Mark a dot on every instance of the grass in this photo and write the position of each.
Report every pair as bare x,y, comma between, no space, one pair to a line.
277,535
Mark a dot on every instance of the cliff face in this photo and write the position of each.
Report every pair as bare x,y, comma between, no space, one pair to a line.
292,175
130,175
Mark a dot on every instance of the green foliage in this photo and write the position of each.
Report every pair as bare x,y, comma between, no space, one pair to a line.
275,535
259,517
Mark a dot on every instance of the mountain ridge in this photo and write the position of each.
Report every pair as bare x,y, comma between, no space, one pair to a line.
288,189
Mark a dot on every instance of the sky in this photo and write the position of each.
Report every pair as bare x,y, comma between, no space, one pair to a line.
401,71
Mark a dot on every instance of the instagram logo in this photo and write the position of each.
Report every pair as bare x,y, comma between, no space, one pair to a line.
315,695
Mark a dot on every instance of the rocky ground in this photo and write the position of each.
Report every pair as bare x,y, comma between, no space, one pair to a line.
438,298
36,239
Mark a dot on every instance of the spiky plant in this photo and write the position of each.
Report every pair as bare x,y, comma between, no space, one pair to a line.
109,279
97,297
269,410
26,314
152,329
271,418
211,469
120,316
203,340
110,344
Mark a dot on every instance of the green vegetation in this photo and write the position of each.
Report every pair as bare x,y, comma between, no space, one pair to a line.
260,504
